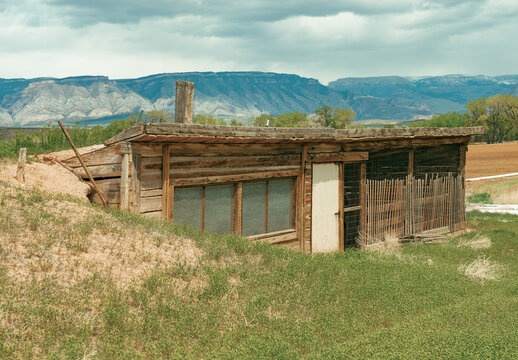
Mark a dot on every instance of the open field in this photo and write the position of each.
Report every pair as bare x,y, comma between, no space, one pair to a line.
78,281
488,160
493,159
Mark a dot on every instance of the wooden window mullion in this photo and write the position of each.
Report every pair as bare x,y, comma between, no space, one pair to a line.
266,207
203,209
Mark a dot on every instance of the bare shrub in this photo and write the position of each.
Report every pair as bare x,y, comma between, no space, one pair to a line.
482,269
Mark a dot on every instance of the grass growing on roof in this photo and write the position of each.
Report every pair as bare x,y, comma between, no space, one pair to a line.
250,300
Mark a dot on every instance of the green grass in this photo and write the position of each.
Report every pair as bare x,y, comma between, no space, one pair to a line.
261,301
479,198
51,139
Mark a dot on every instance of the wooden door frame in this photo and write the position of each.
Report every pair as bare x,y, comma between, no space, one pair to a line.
363,213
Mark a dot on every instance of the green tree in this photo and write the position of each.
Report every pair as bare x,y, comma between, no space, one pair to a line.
263,120
498,115
335,117
234,122
325,114
151,117
208,120
158,116
294,119
451,119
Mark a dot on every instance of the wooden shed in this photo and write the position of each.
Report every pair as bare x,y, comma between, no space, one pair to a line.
315,190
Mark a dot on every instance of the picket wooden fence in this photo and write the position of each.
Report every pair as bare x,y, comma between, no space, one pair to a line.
411,206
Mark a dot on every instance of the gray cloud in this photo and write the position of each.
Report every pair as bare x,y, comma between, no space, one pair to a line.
323,39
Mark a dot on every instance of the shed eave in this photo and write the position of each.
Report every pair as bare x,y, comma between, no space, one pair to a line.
243,135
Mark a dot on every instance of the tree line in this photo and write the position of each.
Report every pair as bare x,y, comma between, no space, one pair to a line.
498,115
325,116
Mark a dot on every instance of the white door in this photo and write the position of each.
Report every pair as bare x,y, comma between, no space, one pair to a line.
325,223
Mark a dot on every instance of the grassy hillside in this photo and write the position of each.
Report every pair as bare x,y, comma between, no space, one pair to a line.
78,281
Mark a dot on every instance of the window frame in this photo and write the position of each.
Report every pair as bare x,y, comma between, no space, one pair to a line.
237,205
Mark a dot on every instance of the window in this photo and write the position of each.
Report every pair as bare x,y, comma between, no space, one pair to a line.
267,206
207,208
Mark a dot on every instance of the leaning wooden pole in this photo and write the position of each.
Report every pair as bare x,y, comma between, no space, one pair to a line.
90,177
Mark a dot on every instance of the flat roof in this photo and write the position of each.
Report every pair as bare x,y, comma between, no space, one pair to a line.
245,134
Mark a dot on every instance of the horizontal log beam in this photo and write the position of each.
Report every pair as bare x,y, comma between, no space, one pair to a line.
234,178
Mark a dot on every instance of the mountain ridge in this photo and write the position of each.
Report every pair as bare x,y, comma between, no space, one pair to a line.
240,94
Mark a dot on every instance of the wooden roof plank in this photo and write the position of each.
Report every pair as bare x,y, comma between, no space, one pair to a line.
230,134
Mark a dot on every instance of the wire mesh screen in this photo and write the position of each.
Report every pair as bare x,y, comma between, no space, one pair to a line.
438,161
351,227
351,185
352,188
390,166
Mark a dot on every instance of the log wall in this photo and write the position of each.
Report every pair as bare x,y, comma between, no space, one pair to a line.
132,174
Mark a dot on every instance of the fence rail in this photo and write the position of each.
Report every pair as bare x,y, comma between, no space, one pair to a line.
411,206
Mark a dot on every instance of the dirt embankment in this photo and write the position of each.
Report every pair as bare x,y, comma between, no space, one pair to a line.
49,177
44,172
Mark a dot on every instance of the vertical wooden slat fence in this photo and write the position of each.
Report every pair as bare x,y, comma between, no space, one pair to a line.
412,206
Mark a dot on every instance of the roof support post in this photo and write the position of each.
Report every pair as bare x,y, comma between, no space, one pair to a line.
184,101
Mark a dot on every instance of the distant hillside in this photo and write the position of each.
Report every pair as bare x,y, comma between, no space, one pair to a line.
32,102
437,94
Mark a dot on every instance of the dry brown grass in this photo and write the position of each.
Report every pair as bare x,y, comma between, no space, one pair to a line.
390,242
482,269
478,242
509,197
67,242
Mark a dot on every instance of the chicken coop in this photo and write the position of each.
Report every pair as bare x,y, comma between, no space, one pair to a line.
315,190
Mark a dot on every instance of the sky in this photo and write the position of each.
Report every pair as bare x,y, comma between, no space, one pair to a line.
323,39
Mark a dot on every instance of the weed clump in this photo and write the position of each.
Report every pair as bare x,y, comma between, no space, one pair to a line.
481,269
478,242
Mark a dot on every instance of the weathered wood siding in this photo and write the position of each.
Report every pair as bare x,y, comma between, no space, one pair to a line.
105,166
197,164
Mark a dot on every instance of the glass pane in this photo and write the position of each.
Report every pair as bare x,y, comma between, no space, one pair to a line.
254,208
218,208
187,206
279,205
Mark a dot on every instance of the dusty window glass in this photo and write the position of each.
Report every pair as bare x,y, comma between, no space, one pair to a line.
254,208
187,206
279,205
218,208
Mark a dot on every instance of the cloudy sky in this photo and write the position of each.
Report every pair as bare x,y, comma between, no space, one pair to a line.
324,39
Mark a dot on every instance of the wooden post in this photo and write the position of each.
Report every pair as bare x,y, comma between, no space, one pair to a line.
125,163
411,162
238,208
166,203
20,170
90,177
184,101
301,203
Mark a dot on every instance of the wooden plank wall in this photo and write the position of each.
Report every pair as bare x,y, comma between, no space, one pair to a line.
105,166
192,164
